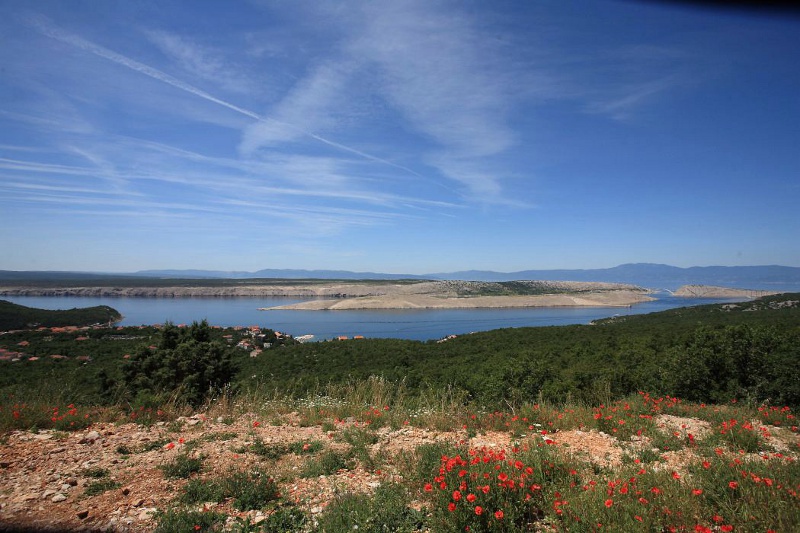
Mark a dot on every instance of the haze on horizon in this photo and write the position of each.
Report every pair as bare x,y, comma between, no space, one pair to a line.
396,136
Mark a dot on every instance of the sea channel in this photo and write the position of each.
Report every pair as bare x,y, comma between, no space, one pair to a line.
416,324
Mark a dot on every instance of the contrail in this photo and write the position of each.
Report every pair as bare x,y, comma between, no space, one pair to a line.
46,28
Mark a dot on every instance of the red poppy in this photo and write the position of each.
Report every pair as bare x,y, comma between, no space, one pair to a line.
726,527
499,514
734,485
471,497
428,487
451,507
478,510
609,502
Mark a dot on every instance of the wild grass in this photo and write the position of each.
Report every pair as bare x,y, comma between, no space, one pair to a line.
100,486
182,467
247,489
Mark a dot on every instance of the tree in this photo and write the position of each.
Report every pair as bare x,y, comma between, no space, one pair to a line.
720,364
187,365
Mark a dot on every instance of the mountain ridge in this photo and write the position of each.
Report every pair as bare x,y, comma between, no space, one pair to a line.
653,275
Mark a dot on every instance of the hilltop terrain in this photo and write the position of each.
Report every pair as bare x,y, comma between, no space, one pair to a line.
170,475
130,429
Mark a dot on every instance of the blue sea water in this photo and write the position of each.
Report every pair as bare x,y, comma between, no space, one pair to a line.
416,324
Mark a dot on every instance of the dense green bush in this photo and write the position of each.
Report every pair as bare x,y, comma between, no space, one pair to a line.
185,363
706,353
714,353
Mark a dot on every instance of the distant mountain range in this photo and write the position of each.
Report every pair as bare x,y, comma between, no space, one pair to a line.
771,277
654,275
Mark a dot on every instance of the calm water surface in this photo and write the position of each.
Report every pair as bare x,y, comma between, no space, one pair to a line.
416,324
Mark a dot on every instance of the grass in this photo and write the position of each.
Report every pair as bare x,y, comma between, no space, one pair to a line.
385,510
274,452
183,521
247,489
101,481
329,462
182,467
96,472
100,486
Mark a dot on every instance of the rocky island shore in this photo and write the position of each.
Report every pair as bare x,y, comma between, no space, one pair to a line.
616,298
332,294
405,294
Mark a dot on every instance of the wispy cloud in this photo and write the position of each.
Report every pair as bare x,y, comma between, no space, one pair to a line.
442,74
630,98
425,61
311,103
46,28
296,176
201,61
300,191
440,71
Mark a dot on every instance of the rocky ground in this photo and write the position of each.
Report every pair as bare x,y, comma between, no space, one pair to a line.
49,479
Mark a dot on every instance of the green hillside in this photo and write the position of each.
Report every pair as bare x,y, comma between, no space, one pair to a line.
14,316
713,353
705,353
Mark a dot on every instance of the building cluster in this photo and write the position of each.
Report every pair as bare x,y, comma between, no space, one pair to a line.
19,355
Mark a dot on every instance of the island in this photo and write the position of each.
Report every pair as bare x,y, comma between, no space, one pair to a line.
331,294
471,295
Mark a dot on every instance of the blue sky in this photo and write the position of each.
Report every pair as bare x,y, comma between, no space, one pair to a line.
396,136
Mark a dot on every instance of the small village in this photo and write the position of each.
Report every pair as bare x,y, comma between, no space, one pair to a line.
252,339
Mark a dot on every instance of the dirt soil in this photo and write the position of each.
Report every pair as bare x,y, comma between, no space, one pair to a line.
44,475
